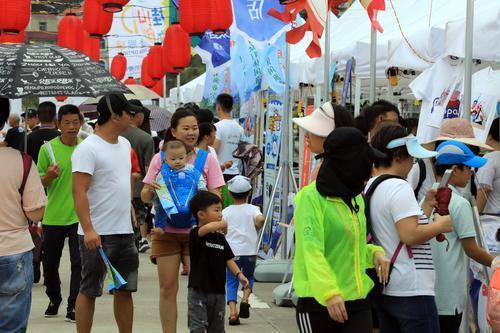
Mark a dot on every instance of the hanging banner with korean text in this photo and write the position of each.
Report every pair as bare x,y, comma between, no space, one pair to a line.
137,27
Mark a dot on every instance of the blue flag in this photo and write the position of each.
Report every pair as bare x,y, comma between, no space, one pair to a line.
214,49
246,69
273,60
252,18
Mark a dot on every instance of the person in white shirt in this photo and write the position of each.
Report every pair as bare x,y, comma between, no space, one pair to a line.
488,177
229,135
102,193
398,223
243,222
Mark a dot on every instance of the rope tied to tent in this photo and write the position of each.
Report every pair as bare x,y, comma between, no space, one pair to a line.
407,41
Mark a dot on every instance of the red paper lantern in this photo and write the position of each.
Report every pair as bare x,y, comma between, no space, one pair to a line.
195,15
155,64
146,79
14,16
91,46
119,66
61,98
14,39
223,17
167,67
96,21
158,87
198,16
71,33
130,80
179,55
112,6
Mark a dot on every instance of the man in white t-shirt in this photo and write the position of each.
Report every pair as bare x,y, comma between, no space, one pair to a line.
102,195
229,135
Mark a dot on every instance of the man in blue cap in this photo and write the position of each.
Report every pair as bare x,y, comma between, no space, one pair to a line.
449,257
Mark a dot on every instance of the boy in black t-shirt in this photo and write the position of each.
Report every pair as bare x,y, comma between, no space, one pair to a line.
210,254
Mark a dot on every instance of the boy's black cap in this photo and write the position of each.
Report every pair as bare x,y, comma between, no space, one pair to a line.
116,102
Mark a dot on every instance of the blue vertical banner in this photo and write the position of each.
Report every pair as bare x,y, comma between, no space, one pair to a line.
274,61
246,69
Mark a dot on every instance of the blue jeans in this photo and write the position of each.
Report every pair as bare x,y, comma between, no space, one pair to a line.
16,281
413,314
247,267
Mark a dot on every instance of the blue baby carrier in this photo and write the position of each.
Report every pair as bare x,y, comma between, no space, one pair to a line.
182,186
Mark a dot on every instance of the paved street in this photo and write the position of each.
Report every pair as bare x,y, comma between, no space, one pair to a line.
266,318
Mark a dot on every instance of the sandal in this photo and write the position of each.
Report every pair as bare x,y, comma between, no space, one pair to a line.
234,320
244,310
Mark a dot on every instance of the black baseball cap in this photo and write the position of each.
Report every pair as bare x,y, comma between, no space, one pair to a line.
116,102
31,113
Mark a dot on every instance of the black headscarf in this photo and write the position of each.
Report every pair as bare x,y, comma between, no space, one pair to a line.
347,164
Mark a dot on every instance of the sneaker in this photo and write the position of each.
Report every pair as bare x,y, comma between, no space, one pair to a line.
234,321
144,246
244,310
70,316
52,309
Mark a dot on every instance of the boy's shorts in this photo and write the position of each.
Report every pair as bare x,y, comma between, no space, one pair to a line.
123,255
206,312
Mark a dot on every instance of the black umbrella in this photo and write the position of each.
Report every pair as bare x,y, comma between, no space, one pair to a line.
49,70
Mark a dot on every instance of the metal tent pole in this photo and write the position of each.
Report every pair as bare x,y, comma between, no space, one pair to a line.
373,64
285,152
469,34
178,90
326,73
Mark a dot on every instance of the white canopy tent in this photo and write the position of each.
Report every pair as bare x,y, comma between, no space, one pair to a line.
189,92
433,29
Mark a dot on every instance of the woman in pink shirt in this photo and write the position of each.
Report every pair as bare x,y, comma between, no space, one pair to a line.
169,248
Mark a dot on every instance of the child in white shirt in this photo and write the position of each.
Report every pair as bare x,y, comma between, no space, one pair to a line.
243,220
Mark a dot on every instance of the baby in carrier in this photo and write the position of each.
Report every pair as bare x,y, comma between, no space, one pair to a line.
179,182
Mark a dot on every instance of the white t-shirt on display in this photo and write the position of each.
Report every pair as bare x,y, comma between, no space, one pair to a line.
433,87
109,192
392,201
230,134
429,180
489,177
241,231
484,100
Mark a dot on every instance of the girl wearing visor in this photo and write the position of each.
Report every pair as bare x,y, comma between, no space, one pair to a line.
319,124
331,251
401,227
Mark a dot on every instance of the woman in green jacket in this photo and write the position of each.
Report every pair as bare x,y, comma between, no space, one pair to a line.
331,250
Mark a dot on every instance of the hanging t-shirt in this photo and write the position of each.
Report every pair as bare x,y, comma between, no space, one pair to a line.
109,193
489,177
395,201
434,87
450,259
484,100
60,210
241,231
209,255
230,134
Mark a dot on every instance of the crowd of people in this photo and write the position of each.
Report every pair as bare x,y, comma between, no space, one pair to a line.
378,244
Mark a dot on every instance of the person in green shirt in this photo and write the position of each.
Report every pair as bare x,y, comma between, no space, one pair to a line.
60,220
332,254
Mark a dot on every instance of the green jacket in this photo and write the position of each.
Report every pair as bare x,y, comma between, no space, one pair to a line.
331,252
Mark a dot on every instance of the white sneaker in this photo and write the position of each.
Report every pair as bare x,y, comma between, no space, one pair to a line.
144,246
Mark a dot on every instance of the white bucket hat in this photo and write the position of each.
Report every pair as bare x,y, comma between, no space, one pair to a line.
320,123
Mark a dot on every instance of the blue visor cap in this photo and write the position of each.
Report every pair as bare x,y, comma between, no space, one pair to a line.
454,152
413,147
